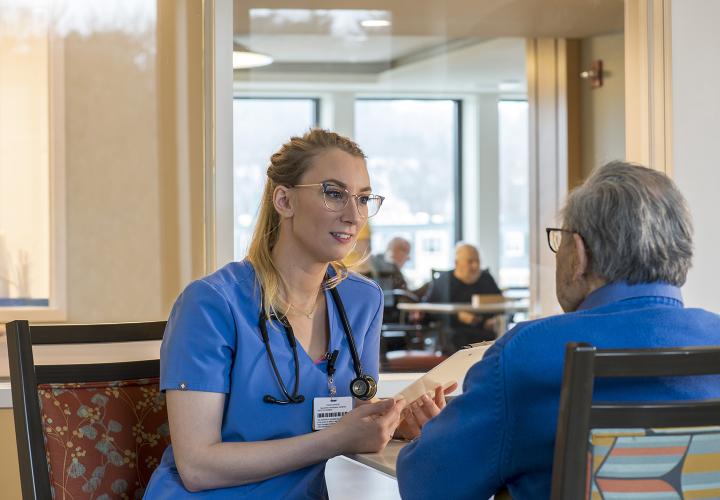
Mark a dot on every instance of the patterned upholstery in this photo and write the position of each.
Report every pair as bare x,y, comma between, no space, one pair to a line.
682,463
103,440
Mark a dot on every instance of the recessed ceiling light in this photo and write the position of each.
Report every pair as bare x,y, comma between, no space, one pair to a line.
375,23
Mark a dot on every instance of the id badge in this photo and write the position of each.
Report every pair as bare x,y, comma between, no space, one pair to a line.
327,411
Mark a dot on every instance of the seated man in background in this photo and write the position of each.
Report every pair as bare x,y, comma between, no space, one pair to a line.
385,269
622,253
459,285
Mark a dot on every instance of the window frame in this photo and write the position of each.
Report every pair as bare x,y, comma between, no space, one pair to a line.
227,219
316,100
326,102
56,310
457,149
500,100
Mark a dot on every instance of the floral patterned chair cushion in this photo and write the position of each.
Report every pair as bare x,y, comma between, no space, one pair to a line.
680,463
103,440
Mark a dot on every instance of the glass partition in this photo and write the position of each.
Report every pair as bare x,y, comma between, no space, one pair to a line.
101,166
425,103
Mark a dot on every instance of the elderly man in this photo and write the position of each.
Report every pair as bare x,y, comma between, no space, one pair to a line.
385,269
623,252
459,285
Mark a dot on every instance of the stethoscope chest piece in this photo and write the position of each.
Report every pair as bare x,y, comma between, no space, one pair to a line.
363,387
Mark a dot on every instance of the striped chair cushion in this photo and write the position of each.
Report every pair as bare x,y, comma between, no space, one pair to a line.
677,463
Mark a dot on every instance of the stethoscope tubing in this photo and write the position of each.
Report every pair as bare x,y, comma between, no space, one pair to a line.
294,398
299,398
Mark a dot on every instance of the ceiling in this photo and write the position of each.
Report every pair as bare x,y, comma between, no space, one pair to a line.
453,45
461,18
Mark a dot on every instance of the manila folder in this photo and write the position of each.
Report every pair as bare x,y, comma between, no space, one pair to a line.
451,370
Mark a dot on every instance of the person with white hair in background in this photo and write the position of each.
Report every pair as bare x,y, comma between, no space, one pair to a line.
459,285
386,268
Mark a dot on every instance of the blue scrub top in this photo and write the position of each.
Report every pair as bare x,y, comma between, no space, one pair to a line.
212,343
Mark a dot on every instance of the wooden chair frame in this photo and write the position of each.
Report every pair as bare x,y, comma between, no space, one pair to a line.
25,377
579,414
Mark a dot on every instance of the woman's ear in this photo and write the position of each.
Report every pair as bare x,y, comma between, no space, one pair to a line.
283,202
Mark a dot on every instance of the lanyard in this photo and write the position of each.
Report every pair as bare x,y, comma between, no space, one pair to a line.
363,386
332,357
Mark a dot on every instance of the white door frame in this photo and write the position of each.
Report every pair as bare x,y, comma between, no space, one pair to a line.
218,127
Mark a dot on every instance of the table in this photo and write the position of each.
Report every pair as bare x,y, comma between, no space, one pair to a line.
385,461
503,309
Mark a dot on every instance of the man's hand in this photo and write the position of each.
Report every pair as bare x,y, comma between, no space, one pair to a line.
490,323
417,414
467,317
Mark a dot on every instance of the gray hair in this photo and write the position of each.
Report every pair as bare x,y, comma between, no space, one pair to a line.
635,223
395,241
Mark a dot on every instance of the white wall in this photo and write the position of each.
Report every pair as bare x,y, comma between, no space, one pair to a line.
123,183
696,137
113,226
603,109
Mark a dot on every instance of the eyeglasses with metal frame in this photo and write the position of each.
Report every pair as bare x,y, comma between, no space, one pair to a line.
336,198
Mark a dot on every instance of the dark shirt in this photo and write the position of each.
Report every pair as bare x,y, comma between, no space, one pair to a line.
447,288
386,274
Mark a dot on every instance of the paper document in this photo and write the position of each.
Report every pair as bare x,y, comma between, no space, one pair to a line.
451,370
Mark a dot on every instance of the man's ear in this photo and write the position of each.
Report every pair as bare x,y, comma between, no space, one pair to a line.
283,202
581,256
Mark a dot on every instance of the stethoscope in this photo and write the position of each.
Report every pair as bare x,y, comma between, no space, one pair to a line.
363,386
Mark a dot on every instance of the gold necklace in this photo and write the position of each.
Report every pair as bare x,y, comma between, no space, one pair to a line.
308,314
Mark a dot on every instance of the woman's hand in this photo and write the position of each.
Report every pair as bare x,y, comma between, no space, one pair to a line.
417,414
369,427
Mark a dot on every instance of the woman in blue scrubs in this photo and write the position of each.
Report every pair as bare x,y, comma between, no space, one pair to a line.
240,410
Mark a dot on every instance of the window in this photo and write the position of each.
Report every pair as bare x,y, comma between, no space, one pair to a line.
260,127
412,147
30,224
514,194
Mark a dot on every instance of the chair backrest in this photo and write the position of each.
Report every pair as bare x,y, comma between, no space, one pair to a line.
384,278
635,449
84,430
435,273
